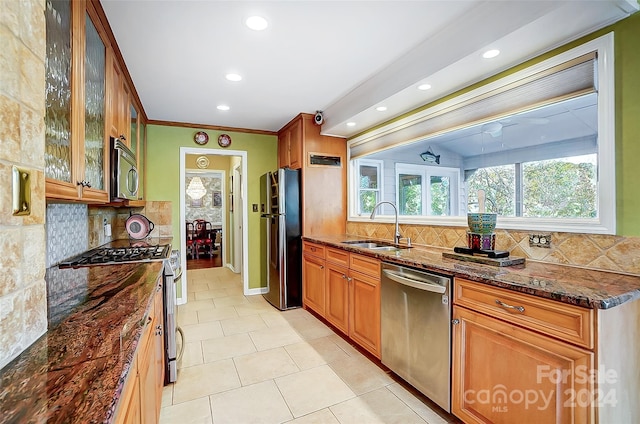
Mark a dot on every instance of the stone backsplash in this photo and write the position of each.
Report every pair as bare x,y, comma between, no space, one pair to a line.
75,228
23,298
605,252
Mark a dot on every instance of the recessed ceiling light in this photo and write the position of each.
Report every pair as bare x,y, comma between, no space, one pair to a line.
223,107
256,23
233,77
351,124
424,86
381,108
490,54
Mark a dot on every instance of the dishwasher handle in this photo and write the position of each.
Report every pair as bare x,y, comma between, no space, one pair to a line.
417,284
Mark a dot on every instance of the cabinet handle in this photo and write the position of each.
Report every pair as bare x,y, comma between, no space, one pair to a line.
455,321
84,183
321,266
344,277
122,137
504,305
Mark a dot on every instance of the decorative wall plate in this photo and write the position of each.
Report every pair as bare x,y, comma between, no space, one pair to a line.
202,162
224,140
201,138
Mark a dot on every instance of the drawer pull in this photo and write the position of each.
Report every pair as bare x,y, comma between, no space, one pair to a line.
504,305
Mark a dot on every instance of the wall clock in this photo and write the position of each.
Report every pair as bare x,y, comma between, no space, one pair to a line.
201,138
224,140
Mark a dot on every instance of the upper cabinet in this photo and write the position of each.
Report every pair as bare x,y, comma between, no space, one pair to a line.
321,160
119,109
87,100
290,140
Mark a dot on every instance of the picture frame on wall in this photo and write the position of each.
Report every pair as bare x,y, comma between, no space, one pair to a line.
196,203
217,199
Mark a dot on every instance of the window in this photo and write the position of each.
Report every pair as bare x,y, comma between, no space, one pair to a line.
539,141
555,188
426,190
369,183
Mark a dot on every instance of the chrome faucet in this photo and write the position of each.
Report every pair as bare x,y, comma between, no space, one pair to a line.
397,236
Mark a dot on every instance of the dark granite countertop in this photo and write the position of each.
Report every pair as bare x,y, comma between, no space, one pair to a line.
577,286
76,371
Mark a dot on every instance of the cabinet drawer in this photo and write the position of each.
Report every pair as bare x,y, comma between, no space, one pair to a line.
313,249
338,256
565,322
365,264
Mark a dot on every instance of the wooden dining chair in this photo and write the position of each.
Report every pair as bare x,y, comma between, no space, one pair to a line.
204,237
192,248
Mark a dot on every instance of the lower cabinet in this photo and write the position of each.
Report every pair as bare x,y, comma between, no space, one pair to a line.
344,288
142,395
506,373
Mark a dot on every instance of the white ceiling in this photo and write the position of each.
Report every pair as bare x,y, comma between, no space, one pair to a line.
341,57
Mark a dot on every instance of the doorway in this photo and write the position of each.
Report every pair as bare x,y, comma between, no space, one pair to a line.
233,241
205,214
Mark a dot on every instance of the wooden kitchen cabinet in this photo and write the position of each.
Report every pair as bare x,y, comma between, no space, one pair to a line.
324,186
119,109
290,145
350,292
313,277
504,372
142,394
88,98
364,311
76,149
337,296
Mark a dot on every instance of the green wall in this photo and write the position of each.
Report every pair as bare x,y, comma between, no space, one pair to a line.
163,175
627,76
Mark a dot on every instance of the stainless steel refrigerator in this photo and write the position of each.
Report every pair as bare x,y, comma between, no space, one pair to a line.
281,243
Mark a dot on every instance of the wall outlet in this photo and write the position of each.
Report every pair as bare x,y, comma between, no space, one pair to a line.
540,240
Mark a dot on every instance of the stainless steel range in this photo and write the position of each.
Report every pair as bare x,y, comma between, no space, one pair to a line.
112,255
140,252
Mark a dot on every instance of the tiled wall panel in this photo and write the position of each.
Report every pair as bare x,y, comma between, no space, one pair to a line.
23,302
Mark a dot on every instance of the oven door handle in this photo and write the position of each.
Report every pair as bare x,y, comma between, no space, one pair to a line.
416,284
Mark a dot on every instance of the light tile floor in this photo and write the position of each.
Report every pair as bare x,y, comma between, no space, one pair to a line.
246,362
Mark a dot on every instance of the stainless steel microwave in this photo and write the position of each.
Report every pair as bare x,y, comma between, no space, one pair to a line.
124,172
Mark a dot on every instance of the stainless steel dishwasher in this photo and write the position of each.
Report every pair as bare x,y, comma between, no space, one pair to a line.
416,330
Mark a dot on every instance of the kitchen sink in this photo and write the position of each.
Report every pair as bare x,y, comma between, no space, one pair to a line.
374,245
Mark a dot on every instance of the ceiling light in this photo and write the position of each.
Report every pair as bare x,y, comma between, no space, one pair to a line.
223,107
381,108
233,77
424,86
196,189
490,54
256,23
351,124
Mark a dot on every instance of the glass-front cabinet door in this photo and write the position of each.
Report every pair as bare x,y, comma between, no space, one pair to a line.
75,146
58,148
94,107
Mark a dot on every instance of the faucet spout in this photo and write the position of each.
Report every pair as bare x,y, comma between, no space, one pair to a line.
397,235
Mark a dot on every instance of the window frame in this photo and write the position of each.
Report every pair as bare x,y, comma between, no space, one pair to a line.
605,223
427,171
355,181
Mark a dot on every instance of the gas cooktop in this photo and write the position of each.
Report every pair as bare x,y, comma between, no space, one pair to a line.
118,255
